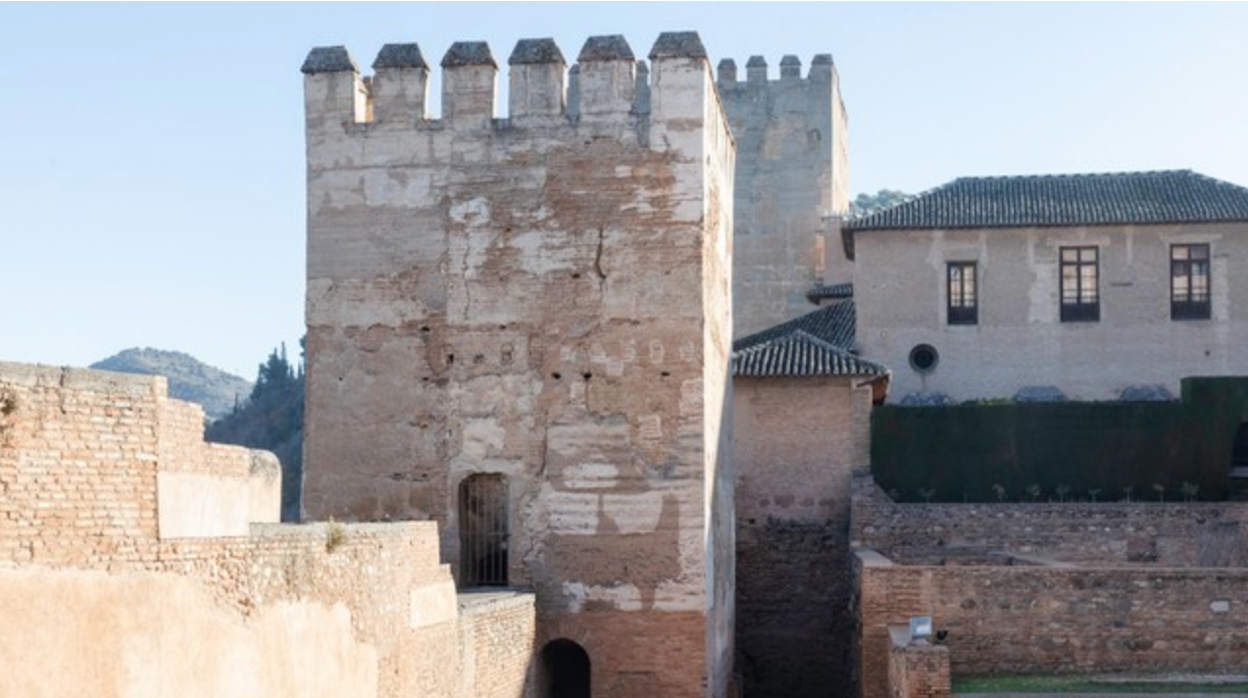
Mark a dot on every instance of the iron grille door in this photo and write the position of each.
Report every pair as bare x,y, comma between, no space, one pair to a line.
483,531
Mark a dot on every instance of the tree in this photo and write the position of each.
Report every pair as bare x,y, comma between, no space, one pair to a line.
867,203
271,419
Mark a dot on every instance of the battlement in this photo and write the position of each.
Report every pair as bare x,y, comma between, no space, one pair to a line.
607,82
822,70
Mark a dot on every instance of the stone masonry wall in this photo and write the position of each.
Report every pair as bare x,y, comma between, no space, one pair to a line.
1004,619
792,175
543,297
797,442
1204,534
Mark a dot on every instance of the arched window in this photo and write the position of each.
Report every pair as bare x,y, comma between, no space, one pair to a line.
563,670
483,531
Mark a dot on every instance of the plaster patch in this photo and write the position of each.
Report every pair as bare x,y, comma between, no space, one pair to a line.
471,212
634,513
482,437
591,476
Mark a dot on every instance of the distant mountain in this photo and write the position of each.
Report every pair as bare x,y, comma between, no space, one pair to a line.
189,378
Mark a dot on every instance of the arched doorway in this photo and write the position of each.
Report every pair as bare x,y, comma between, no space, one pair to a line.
483,533
563,670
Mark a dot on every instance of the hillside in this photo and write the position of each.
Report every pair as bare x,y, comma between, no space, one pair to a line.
189,378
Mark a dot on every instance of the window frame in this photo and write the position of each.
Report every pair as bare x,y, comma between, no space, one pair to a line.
964,312
1185,268
1085,303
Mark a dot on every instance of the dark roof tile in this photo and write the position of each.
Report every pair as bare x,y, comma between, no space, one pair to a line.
815,344
1176,196
798,354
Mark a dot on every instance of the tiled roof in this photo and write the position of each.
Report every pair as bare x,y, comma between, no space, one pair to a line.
819,292
815,344
798,354
1176,196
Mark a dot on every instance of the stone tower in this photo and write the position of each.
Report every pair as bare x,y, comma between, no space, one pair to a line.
792,176
520,328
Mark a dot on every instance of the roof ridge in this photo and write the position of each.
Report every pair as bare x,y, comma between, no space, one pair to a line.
1077,175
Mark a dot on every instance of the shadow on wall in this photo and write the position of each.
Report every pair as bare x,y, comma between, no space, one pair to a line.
563,671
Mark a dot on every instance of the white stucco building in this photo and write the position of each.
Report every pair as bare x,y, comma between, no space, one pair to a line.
1083,287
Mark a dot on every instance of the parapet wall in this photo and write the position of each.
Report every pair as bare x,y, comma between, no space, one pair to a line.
112,581
278,612
98,465
1201,534
792,179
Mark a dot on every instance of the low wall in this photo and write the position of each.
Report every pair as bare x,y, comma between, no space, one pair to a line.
1045,620
276,613
918,671
1204,534
131,564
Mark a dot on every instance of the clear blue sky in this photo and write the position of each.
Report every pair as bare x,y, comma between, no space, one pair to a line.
151,156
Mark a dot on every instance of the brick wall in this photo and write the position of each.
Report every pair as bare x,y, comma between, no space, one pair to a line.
78,461
919,671
82,454
97,466
496,638
1042,619
794,577
1198,533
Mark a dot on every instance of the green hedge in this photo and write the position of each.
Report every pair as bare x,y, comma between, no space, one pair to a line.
958,453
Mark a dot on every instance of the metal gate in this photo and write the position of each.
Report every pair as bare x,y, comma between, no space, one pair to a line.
483,531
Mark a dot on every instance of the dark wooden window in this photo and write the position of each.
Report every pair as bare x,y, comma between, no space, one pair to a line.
483,533
1081,299
963,296
1189,282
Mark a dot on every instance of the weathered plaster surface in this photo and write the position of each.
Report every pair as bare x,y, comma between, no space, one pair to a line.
792,173
543,297
900,294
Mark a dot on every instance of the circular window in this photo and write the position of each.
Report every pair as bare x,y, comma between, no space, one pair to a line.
923,358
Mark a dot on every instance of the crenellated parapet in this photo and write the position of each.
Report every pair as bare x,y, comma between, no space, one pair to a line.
607,82
822,71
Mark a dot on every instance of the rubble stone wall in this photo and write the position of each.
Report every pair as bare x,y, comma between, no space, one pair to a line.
1203,534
